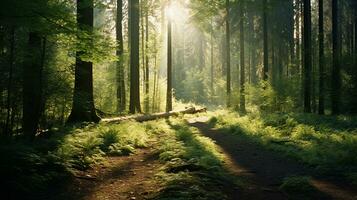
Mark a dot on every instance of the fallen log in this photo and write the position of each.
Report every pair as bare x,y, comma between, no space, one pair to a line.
143,118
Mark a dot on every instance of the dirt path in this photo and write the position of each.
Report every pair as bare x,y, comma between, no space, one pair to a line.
261,171
265,170
121,178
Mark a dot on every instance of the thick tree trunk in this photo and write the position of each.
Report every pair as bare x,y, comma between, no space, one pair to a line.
336,70
307,56
242,61
321,110
83,109
32,91
134,106
121,94
228,55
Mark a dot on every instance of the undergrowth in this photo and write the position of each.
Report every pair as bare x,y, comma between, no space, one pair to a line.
325,142
193,167
34,169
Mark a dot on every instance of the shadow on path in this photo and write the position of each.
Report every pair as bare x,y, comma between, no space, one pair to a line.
127,177
265,170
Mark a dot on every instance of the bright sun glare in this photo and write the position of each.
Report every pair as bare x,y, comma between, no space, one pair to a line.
175,11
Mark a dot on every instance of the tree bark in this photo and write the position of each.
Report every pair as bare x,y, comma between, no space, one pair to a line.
336,70
228,55
147,71
307,56
8,128
212,64
169,67
121,94
265,42
134,106
83,109
143,118
321,109
32,91
242,57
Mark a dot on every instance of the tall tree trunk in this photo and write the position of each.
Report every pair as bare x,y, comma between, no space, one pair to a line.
147,72
336,69
242,61
32,90
265,41
134,106
83,109
252,68
8,128
228,55
169,67
291,38
321,110
142,24
307,56
212,64
121,95
154,96
298,37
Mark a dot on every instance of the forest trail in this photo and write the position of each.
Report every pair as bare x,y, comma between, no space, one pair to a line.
264,170
261,171
121,178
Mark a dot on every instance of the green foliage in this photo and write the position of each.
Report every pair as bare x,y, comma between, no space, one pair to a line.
270,99
297,185
87,146
193,166
24,170
33,167
327,143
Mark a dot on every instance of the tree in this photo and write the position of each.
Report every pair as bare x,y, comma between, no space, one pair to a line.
169,66
32,90
336,70
147,71
307,56
121,96
211,57
242,57
321,60
265,42
8,129
83,109
134,106
228,54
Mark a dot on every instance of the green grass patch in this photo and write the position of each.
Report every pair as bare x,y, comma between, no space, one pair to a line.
325,142
298,187
193,167
35,168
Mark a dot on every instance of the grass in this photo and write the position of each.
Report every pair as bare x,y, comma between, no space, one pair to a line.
325,142
193,167
35,168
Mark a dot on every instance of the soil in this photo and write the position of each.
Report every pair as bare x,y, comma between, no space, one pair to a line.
122,178
264,170
261,171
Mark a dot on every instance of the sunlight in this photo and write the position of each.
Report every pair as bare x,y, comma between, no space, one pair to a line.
176,12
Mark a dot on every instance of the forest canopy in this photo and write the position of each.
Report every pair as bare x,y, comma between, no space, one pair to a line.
76,64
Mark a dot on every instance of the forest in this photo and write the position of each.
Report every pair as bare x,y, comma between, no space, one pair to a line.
178,99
